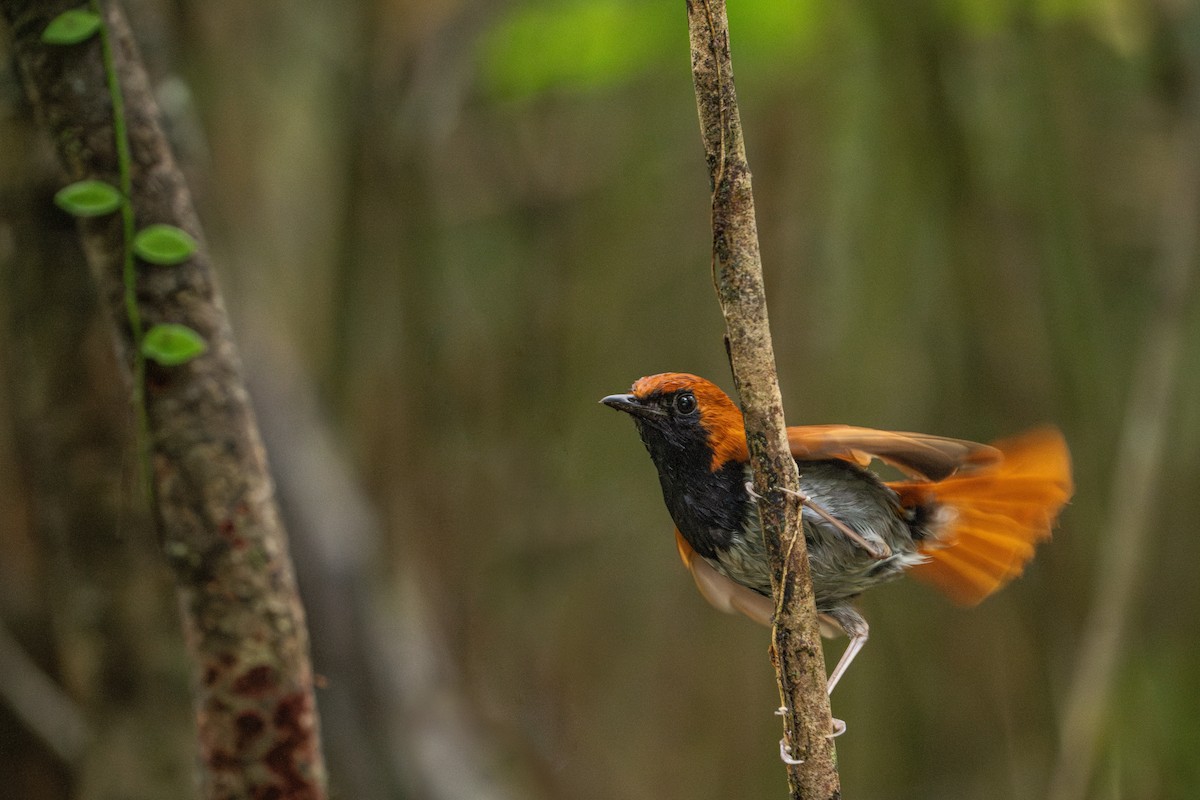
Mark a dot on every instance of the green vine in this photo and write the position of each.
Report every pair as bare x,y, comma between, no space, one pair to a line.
128,270
165,245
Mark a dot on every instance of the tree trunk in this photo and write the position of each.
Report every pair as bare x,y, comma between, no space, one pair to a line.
214,504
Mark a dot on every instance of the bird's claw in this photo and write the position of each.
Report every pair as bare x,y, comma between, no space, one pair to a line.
785,750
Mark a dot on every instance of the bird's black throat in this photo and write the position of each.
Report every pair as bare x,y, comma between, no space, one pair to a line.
707,505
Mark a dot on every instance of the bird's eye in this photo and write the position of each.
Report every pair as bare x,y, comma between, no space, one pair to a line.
685,403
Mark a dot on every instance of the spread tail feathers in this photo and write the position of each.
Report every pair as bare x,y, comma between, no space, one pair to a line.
1001,511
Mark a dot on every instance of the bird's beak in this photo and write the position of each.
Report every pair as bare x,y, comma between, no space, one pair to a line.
630,404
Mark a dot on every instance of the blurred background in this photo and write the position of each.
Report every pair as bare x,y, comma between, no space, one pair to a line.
447,228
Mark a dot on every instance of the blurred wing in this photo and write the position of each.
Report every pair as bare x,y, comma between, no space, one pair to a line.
723,593
918,455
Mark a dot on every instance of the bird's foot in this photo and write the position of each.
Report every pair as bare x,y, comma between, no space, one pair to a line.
785,750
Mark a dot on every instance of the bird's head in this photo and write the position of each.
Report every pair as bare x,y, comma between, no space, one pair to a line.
680,413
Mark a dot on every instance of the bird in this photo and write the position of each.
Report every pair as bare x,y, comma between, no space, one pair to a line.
966,518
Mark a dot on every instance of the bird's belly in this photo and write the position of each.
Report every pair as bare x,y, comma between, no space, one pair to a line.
745,561
840,567
838,573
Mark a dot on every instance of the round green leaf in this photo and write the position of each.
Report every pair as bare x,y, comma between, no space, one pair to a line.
88,198
172,345
165,245
71,27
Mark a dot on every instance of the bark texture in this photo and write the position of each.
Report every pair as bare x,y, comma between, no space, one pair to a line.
737,275
214,502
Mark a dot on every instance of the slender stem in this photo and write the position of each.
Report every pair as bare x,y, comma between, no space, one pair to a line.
129,268
738,278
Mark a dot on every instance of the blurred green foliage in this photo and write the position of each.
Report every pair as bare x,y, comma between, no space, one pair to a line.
586,44
579,45
590,44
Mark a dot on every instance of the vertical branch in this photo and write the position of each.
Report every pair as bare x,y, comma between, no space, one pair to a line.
737,274
214,502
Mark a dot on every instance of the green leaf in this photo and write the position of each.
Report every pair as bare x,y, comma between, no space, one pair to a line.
72,27
172,345
165,245
88,198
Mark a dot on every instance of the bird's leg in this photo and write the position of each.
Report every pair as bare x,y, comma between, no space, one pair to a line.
849,620
820,511
856,643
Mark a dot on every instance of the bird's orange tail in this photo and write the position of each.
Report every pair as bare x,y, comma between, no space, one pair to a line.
1002,511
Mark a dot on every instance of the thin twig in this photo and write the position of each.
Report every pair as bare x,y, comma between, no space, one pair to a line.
737,275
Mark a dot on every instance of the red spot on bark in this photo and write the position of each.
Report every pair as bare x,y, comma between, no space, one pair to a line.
221,760
288,738
290,712
249,725
255,682
227,528
295,747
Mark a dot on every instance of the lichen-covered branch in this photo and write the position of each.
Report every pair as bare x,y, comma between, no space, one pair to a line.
737,274
214,502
